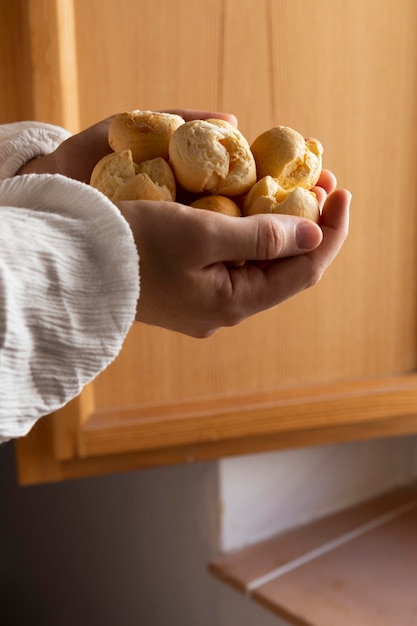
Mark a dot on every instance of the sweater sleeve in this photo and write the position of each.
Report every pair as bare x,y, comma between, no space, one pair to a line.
68,292
22,141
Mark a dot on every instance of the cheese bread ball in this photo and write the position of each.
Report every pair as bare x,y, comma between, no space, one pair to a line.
145,133
284,154
218,204
212,156
267,196
120,178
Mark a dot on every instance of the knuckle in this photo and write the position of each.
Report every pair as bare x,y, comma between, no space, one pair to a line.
226,306
205,333
315,275
270,238
232,318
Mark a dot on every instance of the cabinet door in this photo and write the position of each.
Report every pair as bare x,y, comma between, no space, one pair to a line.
338,361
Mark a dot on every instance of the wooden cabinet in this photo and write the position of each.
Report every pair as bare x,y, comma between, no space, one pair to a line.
337,362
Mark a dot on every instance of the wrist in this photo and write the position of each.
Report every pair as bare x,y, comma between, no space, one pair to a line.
39,165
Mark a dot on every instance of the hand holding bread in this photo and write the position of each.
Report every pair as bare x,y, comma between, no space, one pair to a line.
157,155
186,279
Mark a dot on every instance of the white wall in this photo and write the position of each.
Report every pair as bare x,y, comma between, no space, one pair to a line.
132,549
268,493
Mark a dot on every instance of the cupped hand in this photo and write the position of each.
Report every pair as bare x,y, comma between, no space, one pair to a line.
187,283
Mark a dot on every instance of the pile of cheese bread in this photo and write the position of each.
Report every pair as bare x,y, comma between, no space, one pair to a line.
209,164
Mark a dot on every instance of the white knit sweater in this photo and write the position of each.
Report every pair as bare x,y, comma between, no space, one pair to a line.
68,282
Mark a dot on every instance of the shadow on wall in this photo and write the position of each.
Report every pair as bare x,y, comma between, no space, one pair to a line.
129,549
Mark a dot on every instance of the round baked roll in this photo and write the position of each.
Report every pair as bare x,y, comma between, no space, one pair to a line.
267,196
212,156
160,172
111,171
284,154
120,178
145,133
219,204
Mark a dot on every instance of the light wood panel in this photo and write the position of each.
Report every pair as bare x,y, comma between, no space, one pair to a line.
148,55
15,76
361,320
357,566
229,417
344,72
53,57
38,461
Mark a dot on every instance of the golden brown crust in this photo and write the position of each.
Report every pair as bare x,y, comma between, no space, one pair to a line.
160,172
212,156
145,133
211,159
119,178
284,154
142,187
112,171
267,196
219,204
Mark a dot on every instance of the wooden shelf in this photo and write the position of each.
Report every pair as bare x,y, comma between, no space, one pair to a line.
358,566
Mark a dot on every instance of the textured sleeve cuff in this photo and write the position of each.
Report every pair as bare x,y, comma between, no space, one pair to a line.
23,141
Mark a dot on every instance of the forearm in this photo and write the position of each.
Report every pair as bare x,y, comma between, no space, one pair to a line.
40,165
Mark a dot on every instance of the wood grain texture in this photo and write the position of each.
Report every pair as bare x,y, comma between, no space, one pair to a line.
232,417
369,581
343,72
257,61
67,422
54,63
37,461
357,566
15,72
242,568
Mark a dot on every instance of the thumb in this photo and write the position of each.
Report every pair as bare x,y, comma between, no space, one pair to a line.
265,237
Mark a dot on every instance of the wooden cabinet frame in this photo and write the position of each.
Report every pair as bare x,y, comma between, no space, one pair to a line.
80,440
86,438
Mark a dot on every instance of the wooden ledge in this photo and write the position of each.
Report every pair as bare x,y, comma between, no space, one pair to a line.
356,567
86,439
202,420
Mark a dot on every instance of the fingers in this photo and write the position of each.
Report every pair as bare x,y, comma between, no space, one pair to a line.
306,270
255,289
321,196
326,184
194,114
203,238
260,237
186,285
327,181
335,225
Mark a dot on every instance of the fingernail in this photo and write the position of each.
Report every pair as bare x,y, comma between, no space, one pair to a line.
307,236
